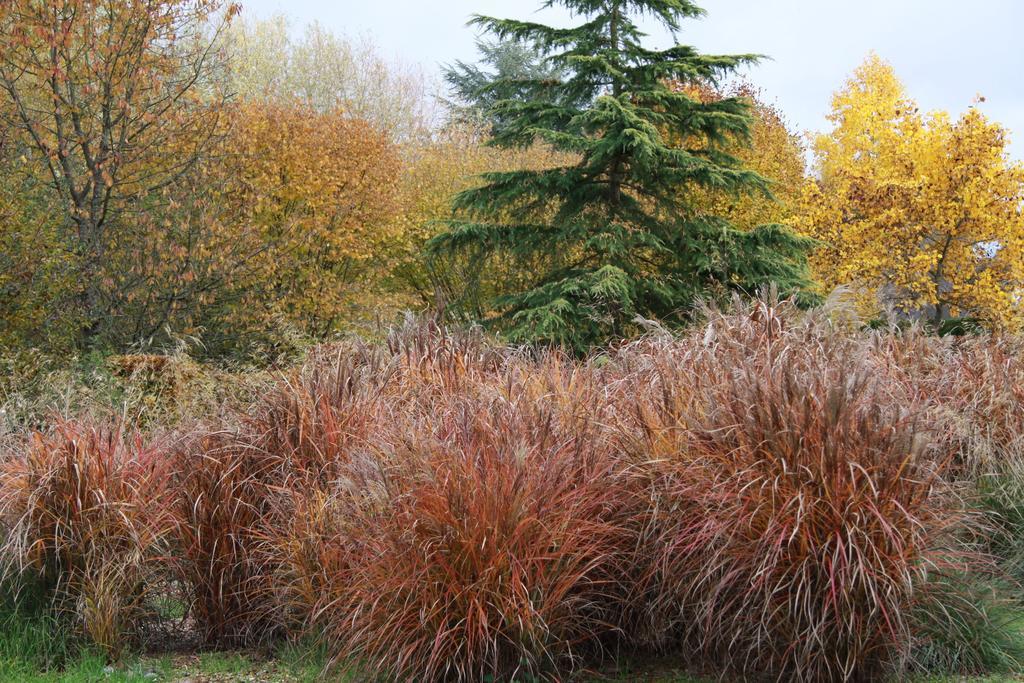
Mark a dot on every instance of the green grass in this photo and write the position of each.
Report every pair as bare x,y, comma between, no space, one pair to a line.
94,668
224,663
37,648
31,641
169,607
306,661
34,648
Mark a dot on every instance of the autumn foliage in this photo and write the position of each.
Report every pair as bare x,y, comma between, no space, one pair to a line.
107,104
319,193
434,507
921,213
232,182
815,489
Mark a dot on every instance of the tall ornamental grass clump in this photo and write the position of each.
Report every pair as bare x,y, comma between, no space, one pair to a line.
501,552
774,492
223,484
85,510
801,508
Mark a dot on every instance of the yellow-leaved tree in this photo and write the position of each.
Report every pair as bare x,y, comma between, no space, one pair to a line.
773,151
919,214
318,192
104,106
36,276
274,239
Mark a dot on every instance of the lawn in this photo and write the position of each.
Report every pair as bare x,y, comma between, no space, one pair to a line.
238,667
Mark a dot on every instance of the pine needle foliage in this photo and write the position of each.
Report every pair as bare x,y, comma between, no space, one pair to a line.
619,233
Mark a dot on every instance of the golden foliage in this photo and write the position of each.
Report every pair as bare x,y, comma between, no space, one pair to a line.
137,204
773,152
919,212
318,194
35,271
274,238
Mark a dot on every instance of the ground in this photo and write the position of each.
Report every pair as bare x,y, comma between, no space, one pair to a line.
236,667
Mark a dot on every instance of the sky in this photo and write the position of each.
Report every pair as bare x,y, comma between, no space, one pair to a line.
947,52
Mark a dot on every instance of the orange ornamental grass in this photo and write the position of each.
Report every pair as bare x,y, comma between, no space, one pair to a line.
223,484
85,511
763,495
830,520
316,417
475,538
496,560
799,510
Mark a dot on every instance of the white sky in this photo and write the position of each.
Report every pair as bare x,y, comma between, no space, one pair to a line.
946,51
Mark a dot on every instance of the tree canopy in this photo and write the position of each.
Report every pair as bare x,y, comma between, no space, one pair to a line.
920,213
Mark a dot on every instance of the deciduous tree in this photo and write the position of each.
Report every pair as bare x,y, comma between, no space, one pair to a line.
461,286
317,193
919,212
112,100
328,72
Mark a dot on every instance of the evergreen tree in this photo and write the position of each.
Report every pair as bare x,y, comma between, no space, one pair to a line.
507,70
620,235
